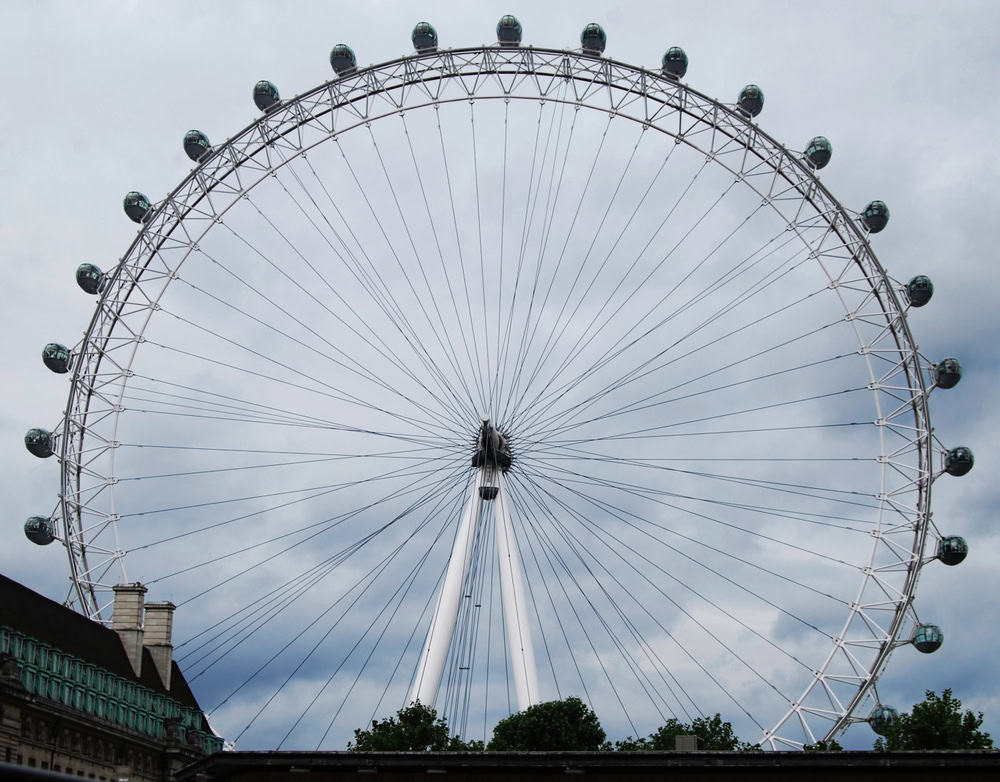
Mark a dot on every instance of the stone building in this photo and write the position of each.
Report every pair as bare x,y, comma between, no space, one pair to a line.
79,698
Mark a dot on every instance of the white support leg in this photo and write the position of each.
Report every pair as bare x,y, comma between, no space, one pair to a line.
515,604
432,660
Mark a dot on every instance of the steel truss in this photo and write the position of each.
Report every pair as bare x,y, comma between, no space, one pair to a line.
881,616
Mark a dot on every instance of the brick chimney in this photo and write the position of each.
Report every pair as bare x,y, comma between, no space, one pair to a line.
159,628
126,620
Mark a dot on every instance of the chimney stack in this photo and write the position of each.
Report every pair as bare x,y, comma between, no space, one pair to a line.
159,628
126,620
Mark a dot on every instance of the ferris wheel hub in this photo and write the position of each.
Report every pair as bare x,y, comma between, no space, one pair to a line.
492,448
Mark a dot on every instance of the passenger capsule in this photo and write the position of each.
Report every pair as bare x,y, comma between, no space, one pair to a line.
819,151
266,96
509,31
425,37
136,206
958,461
89,277
40,530
751,100
342,60
56,357
675,63
952,550
919,290
928,638
947,373
593,39
881,718
876,216
196,145
39,442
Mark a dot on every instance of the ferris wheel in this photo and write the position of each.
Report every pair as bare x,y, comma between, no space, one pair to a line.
492,375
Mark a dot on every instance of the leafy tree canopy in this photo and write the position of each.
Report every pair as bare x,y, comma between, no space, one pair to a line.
824,745
715,735
415,728
937,723
568,724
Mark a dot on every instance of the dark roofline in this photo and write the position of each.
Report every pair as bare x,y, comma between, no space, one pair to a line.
35,615
234,765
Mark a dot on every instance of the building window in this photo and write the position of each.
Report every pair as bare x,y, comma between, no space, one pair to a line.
31,762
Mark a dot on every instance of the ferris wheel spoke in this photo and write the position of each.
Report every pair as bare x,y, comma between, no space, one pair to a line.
743,411
620,513
570,485
598,566
355,365
553,190
824,494
644,404
532,200
647,490
569,233
605,534
560,324
371,284
572,353
397,316
246,623
402,591
449,352
361,586
324,390
480,354
530,204
244,406
326,525
653,660
632,376
473,363
240,344
622,348
669,254
640,403
565,572
382,348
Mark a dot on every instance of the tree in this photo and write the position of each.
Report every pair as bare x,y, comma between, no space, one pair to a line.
415,728
824,745
937,723
568,724
715,735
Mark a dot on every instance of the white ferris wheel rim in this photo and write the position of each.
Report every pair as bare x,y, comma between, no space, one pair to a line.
781,178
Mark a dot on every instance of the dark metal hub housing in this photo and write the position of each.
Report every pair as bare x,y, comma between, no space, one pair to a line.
492,448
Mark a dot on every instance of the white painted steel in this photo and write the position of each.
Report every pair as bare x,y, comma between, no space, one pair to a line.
432,659
515,604
89,435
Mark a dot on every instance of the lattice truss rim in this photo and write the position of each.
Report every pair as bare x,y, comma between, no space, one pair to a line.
881,614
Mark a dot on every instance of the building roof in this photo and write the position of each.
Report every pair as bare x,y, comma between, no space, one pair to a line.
50,622
277,766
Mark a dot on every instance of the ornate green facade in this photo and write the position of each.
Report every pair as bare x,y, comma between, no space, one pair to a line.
55,675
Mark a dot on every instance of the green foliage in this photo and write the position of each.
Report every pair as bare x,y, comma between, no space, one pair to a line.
568,724
715,735
937,723
414,729
824,745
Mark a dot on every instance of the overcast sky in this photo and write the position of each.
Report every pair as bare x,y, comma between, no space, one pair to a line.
99,95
